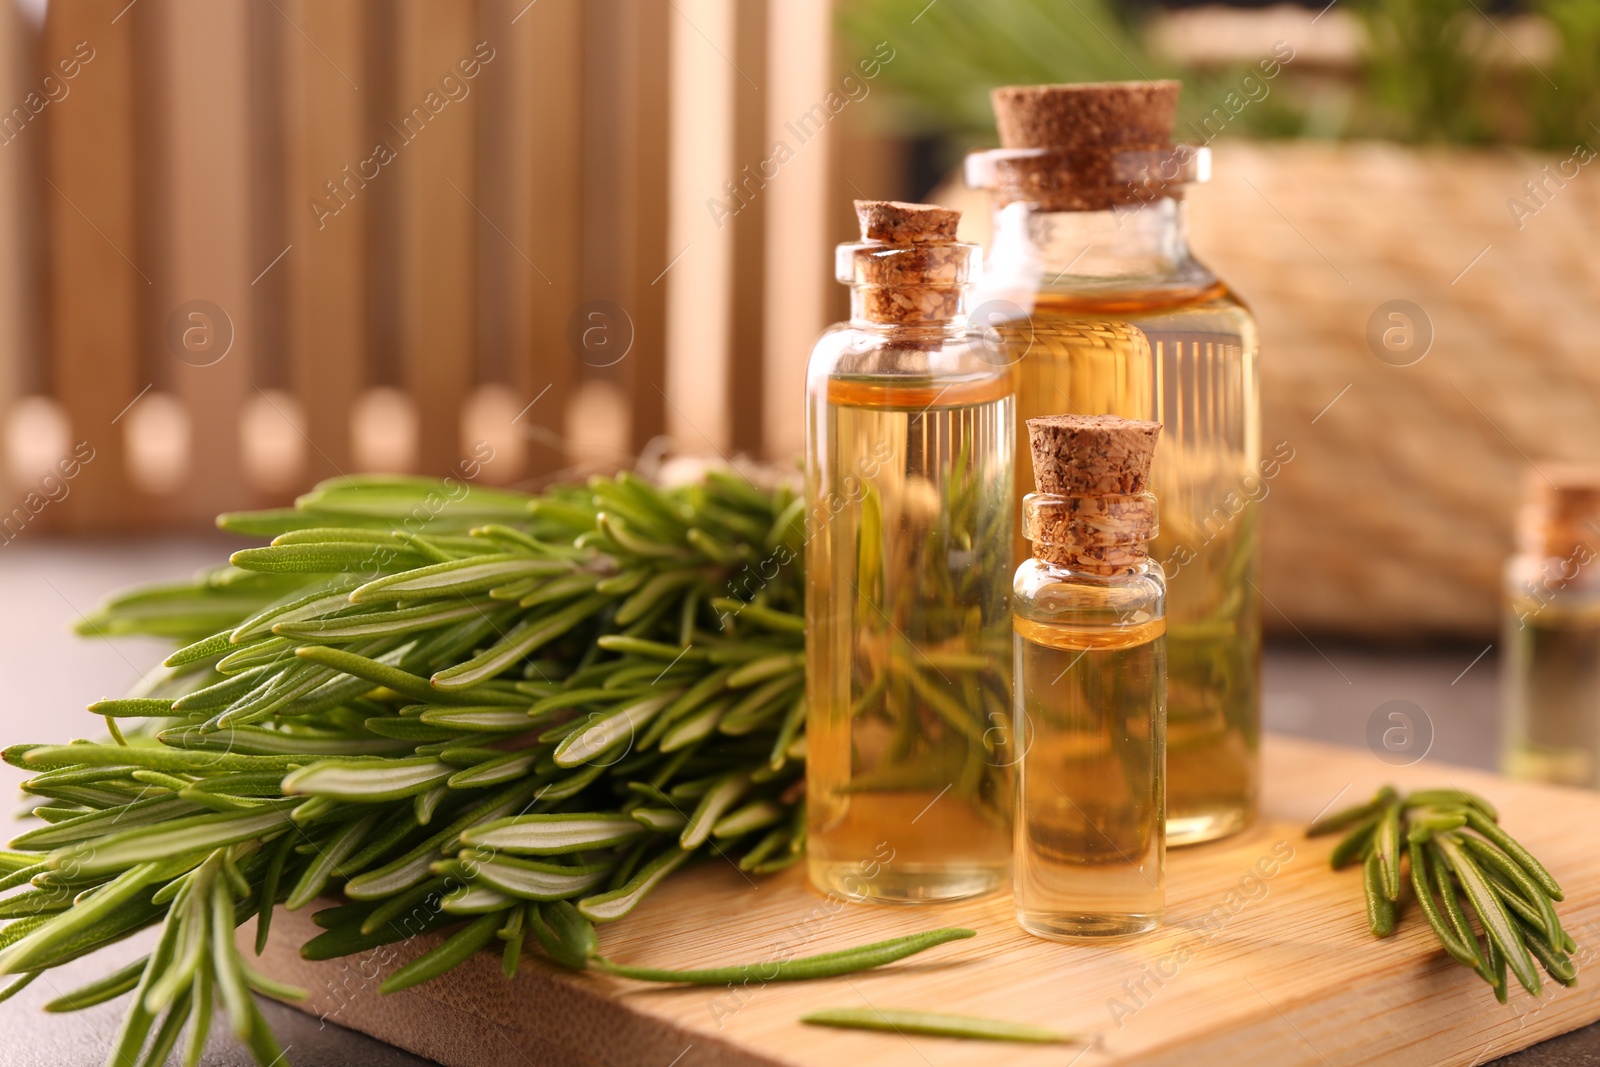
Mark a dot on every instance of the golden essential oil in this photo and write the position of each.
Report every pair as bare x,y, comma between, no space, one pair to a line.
1089,697
1188,367
1090,822
1112,314
908,611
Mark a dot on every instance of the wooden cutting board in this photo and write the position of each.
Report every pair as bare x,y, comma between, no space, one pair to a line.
1264,959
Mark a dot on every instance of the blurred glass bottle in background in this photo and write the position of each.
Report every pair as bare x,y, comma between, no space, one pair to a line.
1552,631
908,574
1106,312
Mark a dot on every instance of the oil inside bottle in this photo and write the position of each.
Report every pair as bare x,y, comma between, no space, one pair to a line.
1090,825
1185,359
1552,670
908,758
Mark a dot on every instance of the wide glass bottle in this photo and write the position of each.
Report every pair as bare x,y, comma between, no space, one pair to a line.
1108,312
1090,620
908,625
1552,631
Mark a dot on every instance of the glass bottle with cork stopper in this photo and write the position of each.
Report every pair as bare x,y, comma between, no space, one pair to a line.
1552,631
1112,313
1090,617
908,528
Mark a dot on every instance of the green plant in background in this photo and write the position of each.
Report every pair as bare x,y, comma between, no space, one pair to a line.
1564,113
477,709
948,55
955,51
1424,75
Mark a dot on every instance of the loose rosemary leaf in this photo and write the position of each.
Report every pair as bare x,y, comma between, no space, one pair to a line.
934,1024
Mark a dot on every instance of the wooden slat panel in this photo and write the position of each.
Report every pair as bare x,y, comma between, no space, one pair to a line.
556,193
95,270
799,278
18,295
605,220
270,134
384,239
747,314
625,212
326,268
647,162
699,286
434,141
207,250
530,152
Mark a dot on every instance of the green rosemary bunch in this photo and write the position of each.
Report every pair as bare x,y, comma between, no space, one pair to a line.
1448,845
513,715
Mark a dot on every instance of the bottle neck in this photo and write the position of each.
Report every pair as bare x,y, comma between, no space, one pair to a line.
1566,543
1125,249
1077,573
934,310
1104,535
921,285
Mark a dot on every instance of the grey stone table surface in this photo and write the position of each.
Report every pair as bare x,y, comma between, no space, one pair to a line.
1313,688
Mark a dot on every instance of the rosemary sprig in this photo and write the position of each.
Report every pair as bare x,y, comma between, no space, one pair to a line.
934,1024
823,965
466,710
1460,862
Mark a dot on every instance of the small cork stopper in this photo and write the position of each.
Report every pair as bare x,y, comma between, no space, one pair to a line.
896,222
1086,115
1083,127
1560,515
909,269
1092,511
1091,455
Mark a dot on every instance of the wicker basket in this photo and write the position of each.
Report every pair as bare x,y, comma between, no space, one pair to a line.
1395,516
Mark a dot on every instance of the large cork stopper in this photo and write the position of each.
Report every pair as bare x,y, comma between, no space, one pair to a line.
909,269
1092,511
1560,518
1083,130
1086,115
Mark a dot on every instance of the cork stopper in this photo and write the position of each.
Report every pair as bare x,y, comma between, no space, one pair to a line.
1086,115
1089,143
1560,516
908,268
1092,511
896,222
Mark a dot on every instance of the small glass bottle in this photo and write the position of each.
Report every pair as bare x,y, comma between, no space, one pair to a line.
1552,631
1090,618
908,533
1114,314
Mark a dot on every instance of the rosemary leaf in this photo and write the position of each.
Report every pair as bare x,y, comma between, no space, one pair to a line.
934,1024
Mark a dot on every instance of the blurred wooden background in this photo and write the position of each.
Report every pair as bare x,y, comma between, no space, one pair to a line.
249,244
422,224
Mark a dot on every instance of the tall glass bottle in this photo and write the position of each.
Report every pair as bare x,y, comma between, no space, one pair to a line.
1552,631
1110,313
908,626
1090,617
